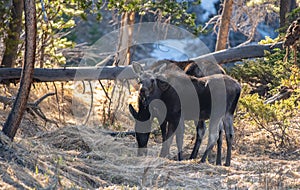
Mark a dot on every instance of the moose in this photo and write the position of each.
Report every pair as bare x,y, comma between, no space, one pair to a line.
143,116
172,88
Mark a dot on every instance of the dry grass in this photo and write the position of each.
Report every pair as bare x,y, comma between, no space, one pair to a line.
83,157
45,156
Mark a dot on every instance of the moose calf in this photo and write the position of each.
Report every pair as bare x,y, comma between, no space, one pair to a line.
143,116
189,98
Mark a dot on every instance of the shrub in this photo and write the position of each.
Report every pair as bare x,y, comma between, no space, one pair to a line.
265,80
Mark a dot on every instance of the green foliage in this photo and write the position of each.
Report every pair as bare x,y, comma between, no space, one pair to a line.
278,119
57,19
170,11
268,72
54,23
52,32
4,15
292,16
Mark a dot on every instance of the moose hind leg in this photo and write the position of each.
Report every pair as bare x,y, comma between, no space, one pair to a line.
212,138
163,128
229,130
200,129
179,138
219,143
169,138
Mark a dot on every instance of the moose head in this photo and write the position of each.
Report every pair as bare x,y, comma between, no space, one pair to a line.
152,84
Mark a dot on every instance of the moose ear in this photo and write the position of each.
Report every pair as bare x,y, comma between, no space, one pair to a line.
162,68
132,111
137,68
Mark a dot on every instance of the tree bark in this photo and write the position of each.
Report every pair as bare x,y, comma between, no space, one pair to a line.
14,118
125,72
238,53
13,38
125,38
224,25
70,73
286,6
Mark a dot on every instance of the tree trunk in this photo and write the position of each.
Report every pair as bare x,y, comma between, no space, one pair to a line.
14,118
13,38
224,25
125,39
286,6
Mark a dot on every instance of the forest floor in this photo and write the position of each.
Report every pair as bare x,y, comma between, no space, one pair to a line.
72,156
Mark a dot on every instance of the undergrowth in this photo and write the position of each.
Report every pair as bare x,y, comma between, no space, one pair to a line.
270,99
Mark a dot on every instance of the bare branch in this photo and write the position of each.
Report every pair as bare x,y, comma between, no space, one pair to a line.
91,106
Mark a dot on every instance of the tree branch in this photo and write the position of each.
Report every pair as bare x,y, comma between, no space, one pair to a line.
30,107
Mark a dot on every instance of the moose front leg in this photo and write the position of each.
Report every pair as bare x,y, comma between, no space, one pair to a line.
142,139
171,129
163,127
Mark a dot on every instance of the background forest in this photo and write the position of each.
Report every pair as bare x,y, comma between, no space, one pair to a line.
79,134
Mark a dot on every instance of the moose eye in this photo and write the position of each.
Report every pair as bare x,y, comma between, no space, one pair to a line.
160,81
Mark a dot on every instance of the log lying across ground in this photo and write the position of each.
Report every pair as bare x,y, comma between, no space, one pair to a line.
125,72
71,73
238,53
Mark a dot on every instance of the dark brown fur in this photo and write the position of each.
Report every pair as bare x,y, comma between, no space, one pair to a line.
173,116
204,89
190,67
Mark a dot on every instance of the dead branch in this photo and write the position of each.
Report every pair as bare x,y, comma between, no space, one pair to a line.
57,100
31,107
283,94
91,106
127,133
105,91
120,134
6,101
38,101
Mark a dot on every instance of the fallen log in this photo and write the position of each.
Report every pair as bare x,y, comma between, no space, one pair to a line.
125,72
238,53
70,74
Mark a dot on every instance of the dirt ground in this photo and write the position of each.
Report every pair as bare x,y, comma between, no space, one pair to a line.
73,156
